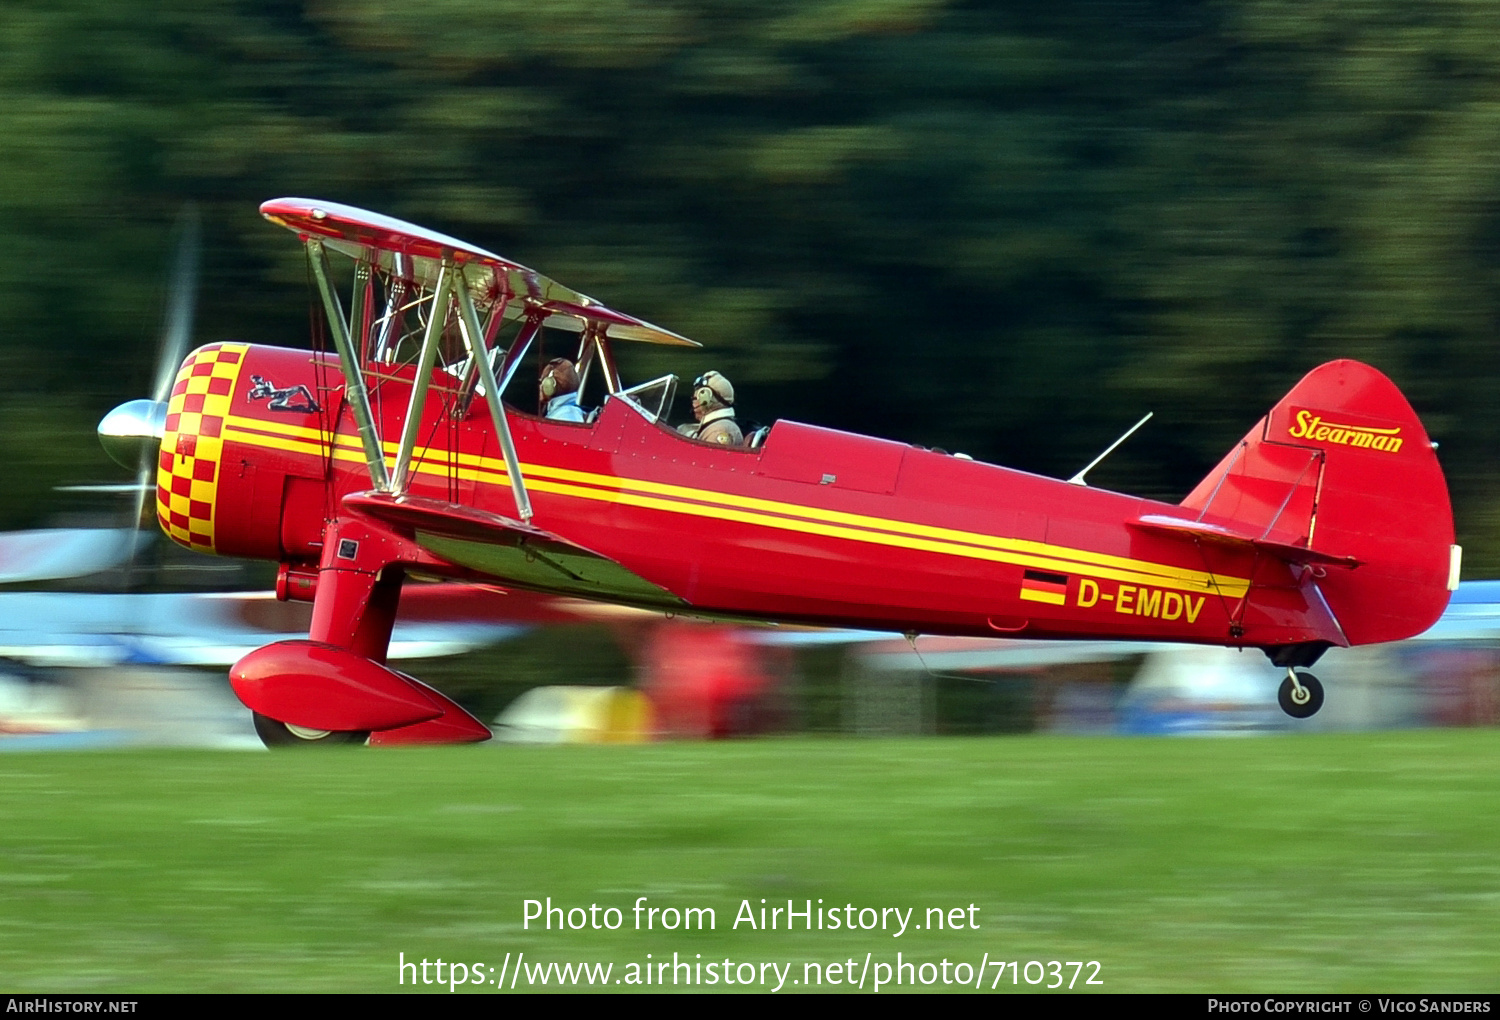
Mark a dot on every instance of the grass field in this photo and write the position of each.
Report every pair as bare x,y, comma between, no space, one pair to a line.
1333,863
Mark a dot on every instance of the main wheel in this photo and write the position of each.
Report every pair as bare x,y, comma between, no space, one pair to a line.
1301,704
274,733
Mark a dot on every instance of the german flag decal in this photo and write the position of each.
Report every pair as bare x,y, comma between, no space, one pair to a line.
1040,586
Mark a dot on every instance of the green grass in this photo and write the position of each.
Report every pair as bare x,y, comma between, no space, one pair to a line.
1329,863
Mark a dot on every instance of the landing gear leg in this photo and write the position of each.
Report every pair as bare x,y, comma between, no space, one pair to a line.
355,608
335,688
1301,694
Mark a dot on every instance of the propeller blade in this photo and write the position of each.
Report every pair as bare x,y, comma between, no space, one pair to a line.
182,299
104,487
176,335
145,486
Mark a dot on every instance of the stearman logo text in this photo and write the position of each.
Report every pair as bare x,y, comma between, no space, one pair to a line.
1312,426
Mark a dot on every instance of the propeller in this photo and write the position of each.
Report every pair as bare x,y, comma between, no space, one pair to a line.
131,433
182,299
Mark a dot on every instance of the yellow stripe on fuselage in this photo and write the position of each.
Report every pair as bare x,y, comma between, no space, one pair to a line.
680,499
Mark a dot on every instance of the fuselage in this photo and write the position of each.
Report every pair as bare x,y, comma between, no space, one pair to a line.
815,526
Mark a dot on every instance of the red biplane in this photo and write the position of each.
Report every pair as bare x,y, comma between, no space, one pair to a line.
1327,525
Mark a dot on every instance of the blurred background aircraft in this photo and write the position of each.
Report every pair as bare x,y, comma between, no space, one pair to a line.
95,668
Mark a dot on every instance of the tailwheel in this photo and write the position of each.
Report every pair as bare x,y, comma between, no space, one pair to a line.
274,733
1301,695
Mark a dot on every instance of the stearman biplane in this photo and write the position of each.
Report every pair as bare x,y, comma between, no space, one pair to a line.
1327,525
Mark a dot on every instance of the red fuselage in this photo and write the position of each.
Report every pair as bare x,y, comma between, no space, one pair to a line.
816,526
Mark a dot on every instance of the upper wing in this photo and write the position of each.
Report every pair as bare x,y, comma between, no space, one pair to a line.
358,233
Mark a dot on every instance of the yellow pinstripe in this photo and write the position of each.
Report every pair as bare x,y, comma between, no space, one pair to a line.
679,499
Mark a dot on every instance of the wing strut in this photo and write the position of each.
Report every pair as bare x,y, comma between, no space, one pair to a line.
474,339
359,306
437,318
512,360
354,380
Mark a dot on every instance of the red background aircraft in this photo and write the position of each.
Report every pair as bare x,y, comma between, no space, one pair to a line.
1327,525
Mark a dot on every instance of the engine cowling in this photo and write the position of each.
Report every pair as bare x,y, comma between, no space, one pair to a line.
236,476
191,463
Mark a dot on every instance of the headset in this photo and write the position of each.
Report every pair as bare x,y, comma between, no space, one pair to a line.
701,387
549,380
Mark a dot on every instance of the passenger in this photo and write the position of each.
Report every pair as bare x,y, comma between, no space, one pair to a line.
713,407
559,388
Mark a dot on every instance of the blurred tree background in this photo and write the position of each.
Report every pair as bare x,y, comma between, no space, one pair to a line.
1008,229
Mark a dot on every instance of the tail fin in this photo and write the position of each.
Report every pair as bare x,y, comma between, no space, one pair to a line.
1342,469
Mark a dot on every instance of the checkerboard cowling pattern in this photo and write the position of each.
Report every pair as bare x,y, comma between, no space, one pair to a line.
187,477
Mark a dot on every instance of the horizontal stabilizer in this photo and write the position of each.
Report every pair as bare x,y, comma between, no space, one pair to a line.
1182,528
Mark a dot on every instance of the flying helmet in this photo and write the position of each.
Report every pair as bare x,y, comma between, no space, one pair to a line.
711,387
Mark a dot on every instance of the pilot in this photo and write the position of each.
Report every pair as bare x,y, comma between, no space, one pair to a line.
559,389
713,407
